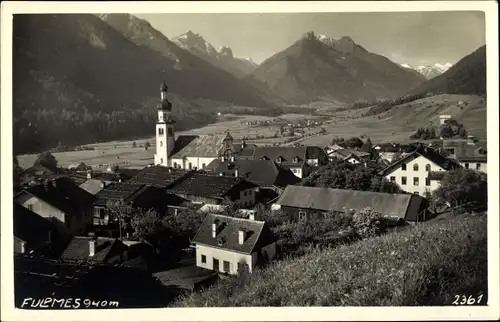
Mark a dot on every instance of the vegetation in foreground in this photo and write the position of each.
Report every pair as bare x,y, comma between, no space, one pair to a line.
426,265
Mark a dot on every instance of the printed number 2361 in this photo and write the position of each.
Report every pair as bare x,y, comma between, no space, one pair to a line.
464,300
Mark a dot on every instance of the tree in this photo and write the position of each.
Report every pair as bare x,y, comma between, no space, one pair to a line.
134,144
185,224
46,159
354,142
147,225
367,146
16,173
464,187
121,213
147,145
367,223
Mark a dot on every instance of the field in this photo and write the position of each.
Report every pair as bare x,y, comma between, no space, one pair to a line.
425,265
395,125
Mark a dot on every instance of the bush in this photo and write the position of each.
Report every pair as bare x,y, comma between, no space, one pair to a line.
367,223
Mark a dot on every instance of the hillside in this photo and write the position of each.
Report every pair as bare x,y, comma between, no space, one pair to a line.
222,58
467,76
415,267
320,68
78,80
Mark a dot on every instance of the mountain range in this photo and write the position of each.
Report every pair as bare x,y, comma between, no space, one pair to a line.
467,76
430,71
222,58
319,67
83,78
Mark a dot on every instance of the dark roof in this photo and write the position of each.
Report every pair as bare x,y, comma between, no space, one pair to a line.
465,152
123,191
63,194
187,277
315,152
30,227
287,154
246,151
428,153
327,199
78,249
258,234
158,176
200,146
260,172
38,169
205,185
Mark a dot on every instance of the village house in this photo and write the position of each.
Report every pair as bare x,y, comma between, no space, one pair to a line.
37,173
352,156
301,203
99,250
470,153
62,202
212,190
412,172
297,159
139,196
231,245
158,176
444,118
34,234
332,148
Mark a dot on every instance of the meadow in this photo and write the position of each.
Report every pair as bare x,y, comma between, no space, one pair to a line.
395,125
424,265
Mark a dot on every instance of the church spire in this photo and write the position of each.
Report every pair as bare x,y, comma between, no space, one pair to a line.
165,104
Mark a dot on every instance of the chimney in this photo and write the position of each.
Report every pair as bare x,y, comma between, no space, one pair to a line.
92,242
242,235
251,215
89,175
471,140
236,172
215,227
232,158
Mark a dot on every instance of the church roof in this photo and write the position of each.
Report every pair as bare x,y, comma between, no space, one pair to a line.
199,146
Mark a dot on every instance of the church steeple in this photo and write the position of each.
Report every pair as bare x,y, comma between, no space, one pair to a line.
165,137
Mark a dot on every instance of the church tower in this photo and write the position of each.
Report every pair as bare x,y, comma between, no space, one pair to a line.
165,138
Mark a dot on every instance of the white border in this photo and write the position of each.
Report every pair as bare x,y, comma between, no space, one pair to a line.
250,314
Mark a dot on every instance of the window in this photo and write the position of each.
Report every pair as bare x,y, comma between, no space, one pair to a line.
427,181
175,165
295,160
428,167
393,179
415,167
415,181
294,170
403,166
161,143
403,181
190,165
226,266
30,207
467,165
302,215
478,166
161,131
203,259
203,165
161,160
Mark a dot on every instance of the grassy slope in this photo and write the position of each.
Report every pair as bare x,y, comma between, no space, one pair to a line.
423,266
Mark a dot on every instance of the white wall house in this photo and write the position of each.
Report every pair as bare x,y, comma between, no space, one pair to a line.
412,172
227,244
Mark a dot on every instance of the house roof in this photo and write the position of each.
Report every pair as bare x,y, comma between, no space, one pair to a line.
79,250
287,155
348,152
63,194
92,186
246,151
428,153
122,191
199,146
260,172
158,176
465,152
205,185
258,234
30,227
38,169
327,199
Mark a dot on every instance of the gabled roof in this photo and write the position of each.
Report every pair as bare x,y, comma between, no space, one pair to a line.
79,250
39,169
258,234
428,153
63,194
30,227
246,151
348,152
327,199
158,176
260,172
205,185
123,191
200,146
92,186
289,154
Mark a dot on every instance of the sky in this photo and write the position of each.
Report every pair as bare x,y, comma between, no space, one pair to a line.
415,38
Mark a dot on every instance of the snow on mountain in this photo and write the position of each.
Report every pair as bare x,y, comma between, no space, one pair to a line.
430,71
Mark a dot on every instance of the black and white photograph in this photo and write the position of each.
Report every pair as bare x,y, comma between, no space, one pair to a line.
252,155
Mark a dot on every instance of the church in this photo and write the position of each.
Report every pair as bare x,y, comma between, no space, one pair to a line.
186,151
